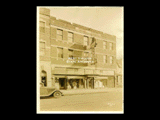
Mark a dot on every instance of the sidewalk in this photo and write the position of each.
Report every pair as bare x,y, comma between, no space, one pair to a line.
88,91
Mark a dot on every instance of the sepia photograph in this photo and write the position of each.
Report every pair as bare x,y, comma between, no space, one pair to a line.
80,59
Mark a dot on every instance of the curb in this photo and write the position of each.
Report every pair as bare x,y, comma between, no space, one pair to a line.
68,94
89,92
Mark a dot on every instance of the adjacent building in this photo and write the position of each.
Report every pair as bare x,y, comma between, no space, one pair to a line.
65,49
118,82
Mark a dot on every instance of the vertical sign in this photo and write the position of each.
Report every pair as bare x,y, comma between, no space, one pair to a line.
92,47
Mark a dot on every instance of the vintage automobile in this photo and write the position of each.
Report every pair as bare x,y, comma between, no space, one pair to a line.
49,91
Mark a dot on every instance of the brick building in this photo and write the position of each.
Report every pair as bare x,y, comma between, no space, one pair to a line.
62,46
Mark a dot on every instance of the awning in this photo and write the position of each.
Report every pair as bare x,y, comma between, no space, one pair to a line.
100,78
60,77
75,77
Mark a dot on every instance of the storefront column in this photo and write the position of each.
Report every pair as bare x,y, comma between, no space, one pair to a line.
87,83
79,83
66,83
92,83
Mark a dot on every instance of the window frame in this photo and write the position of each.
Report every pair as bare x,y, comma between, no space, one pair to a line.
59,34
85,41
104,44
41,26
72,38
42,53
105,60
86,55
111,59
69,53
58,52
110,46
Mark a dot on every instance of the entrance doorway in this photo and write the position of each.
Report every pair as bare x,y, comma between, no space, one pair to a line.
62,83
44,78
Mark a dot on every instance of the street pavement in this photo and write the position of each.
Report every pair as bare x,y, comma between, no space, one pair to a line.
94,102
87,91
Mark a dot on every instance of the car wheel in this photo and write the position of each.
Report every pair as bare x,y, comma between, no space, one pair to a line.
57,94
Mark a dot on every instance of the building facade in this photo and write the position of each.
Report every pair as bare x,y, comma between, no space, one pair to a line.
73,56
119,74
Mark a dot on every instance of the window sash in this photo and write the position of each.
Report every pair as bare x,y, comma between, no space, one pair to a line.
70,55
86,54
70,35
111,46
111,60
42,24
60,52
70,39
106,58
59,37
59,32
86,41
42,48
104,45
42,45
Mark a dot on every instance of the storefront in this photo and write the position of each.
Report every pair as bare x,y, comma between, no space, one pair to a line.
75,82
78,78
69,82
104,82
100,82
119,80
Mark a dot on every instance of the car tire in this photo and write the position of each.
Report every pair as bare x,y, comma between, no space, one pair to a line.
57,94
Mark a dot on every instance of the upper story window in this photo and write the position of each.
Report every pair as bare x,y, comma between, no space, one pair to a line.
104,45
86,41
86,55
42,26
42,48
111,46
70,37
70,55
59,34
60,52
111,59
105,58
